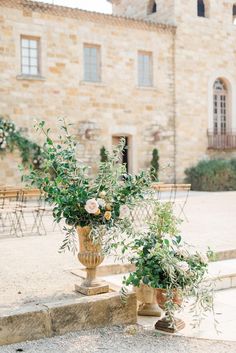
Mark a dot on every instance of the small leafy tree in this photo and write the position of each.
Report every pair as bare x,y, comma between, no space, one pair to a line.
103,155
155,165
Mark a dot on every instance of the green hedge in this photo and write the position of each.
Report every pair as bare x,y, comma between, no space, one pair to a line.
212,175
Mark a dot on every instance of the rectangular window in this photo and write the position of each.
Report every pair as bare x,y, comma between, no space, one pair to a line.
30,56
92,63
145,70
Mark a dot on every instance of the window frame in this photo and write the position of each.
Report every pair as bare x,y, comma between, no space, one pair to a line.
141,80
98,62
38,55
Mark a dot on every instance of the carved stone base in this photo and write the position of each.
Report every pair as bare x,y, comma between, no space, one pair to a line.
102,288
149,310
164,325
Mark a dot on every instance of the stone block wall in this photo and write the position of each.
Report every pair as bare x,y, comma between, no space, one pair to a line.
114,106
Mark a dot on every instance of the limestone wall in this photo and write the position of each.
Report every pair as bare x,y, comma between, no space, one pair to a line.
116,106
205,50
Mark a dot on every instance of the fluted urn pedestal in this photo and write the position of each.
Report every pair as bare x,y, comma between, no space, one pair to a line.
164,324
147,297
90,255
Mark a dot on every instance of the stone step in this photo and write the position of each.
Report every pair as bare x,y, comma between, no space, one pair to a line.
224,273
51,319
226,255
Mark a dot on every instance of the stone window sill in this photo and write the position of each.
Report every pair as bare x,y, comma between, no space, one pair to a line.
147,88
30,77
93,83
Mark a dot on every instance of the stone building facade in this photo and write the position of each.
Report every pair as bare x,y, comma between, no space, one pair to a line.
175,106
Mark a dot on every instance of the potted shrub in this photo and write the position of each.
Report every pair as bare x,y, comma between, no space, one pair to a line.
163,262
90,205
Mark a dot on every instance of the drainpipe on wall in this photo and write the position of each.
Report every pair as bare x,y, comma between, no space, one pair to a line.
174,106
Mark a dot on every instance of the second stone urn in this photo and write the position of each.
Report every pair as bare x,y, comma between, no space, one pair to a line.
147,297
164,324
90,255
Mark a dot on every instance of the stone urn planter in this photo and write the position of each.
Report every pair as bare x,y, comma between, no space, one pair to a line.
147,297
164,324
90,255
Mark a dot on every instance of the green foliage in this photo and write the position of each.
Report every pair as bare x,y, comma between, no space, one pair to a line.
162,260
154,170
103,154
11,138
83,200
212,175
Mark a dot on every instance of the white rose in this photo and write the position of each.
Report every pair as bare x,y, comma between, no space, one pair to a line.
92,206
124,211
101,203
183,266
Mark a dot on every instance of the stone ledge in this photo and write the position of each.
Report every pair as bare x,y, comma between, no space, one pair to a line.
31,323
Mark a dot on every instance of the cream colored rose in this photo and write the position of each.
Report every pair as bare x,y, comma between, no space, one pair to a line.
107,215
92,206
102,194
183,266
108,207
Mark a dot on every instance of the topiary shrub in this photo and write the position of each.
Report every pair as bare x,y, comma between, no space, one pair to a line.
154,170
103,155
212,175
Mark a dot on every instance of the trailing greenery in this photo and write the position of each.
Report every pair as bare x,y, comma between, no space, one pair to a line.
12,138
103,154
162,260
80,199
212,175
154,170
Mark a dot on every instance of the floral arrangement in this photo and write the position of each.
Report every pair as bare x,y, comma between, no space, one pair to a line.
100,202
162,260
11,138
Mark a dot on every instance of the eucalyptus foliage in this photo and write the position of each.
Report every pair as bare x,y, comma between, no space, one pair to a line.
84,200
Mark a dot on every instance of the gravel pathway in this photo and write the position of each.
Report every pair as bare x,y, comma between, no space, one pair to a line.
131,339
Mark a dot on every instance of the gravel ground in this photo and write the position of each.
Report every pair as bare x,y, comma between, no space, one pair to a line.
131,339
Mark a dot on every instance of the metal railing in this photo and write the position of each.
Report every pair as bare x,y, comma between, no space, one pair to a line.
177,194
222,141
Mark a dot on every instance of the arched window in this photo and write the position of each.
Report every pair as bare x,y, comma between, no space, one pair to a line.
152,7
234,14
201,8
220,104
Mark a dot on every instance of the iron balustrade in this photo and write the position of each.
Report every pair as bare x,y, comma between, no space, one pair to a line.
222,141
